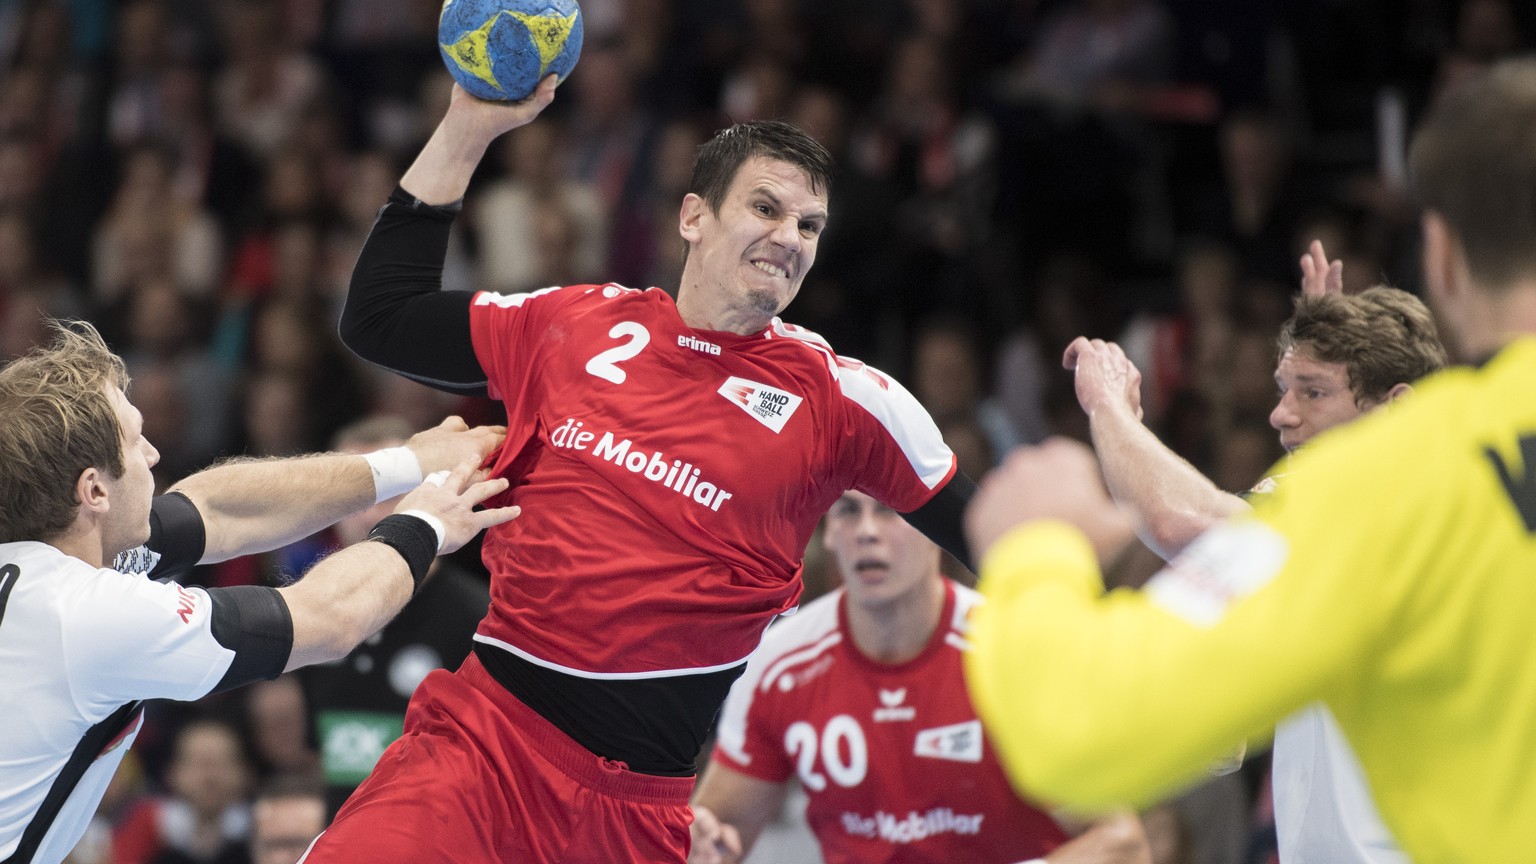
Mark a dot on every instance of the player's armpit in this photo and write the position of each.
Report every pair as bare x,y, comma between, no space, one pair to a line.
942,518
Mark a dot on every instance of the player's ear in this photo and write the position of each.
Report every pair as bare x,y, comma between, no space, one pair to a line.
691,217
1444,267
91,491
1398,391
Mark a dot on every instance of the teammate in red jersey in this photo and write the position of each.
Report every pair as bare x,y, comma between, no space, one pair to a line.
861,695
686,450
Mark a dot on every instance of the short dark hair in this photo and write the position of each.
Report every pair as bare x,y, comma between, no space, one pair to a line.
1473,162
719,158
1383,336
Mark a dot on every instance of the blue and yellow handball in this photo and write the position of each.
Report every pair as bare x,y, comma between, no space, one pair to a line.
502,49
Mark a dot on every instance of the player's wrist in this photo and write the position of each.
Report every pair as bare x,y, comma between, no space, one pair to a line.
396,471
413,535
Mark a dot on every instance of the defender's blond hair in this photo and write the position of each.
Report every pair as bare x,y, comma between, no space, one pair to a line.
58,420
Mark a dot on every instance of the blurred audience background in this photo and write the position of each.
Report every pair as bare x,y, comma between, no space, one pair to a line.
195,176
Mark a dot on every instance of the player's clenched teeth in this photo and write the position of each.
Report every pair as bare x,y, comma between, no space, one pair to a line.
771,269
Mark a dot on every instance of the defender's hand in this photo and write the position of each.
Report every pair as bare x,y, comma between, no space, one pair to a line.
452,500
1104,377
452,442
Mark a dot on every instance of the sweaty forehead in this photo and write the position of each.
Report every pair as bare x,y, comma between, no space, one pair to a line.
784,180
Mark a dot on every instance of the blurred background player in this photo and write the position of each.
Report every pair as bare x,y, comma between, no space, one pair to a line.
288,814
688,448
357,704
1413,627
1340,356
861,695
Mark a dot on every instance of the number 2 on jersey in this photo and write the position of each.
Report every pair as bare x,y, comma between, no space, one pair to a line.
605,365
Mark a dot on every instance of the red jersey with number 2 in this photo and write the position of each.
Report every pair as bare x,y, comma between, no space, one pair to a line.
670,478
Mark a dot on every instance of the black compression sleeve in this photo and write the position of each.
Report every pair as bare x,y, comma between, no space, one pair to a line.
396,314
254,622
942,518
176,534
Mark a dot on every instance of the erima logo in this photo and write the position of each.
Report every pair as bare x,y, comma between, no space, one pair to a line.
675,474
958,743
891,710
770,406
698,345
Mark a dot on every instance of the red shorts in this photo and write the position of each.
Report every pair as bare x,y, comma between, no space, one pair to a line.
478,776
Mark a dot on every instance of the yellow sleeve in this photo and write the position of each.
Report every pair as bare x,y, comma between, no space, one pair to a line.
1099,700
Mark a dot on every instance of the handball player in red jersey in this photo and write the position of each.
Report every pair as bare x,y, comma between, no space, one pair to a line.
682,451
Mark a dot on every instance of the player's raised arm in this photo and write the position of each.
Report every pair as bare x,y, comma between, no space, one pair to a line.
396,314
1172,501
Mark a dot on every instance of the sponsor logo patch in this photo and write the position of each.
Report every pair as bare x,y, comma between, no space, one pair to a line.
960,742
769,406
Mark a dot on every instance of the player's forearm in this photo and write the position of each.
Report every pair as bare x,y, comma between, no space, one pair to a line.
1118,839
445,165
256,505
1074,730
345,599
1172,501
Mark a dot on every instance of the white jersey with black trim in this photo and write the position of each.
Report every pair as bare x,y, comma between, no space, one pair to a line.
1324,812
79,646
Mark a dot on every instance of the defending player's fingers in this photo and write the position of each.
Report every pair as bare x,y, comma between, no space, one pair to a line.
1074,351
729,841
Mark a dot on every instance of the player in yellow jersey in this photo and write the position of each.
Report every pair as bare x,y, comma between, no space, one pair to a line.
1392,576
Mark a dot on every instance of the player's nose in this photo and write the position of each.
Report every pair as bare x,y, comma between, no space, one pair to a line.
1284,416
787,234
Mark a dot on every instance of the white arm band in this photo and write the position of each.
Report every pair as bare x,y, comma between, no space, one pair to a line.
395,472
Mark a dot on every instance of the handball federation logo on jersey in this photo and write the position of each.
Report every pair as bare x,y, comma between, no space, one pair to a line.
960,742
769,406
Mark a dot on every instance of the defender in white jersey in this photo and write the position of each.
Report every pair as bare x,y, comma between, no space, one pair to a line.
82,644
861,697
1340,357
